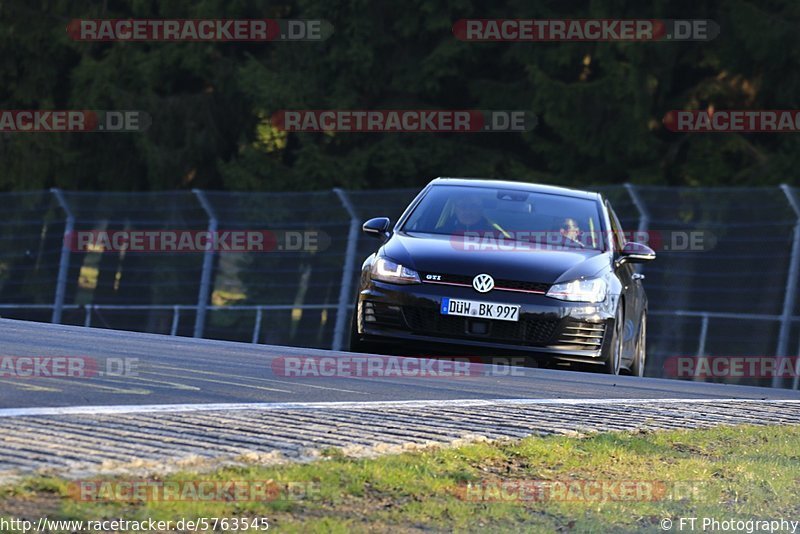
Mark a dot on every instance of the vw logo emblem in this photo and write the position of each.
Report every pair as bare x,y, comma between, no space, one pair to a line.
483,283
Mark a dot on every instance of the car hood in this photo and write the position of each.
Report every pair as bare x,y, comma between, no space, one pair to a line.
441,254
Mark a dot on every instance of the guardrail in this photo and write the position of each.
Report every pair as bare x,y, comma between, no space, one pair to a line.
176,309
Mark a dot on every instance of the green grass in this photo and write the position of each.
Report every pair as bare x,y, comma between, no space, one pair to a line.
728,472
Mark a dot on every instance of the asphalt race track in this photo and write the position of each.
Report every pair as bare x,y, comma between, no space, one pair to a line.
174,370
193,403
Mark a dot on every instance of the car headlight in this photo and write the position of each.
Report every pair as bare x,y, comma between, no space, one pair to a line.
592,290
386,270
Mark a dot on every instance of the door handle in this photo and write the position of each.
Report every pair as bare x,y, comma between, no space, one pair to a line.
637,276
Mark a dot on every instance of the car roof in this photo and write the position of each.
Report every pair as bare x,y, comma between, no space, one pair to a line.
525,186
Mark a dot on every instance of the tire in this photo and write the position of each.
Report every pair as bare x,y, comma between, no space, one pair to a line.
614,361
640,360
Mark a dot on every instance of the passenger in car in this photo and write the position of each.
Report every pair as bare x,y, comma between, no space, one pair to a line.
571,233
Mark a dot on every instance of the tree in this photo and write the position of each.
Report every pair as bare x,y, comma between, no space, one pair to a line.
600,105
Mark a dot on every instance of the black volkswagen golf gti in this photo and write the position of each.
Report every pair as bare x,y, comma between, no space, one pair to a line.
500,267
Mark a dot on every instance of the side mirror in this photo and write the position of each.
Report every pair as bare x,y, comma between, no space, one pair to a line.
634,252
377,227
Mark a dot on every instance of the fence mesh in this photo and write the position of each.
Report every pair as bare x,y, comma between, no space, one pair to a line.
729,298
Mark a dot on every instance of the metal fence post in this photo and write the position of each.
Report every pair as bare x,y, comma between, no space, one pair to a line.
257,326
208,264
791,287
796,376
644,215
701,344
176,317
342,317
63,265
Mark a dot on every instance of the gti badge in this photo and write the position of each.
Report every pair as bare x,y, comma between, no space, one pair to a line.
483,283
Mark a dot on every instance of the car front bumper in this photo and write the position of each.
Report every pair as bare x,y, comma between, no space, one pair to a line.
409,316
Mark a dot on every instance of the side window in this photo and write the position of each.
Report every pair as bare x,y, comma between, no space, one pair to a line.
616,228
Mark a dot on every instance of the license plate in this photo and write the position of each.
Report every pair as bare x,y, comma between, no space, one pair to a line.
480,310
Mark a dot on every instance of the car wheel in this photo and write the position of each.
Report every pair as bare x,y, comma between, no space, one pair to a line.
639,362
614,360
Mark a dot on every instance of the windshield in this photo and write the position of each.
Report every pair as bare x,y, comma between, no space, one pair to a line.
508,214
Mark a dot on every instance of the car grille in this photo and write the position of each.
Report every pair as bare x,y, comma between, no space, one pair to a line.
499,285
582,335
511,285
528,331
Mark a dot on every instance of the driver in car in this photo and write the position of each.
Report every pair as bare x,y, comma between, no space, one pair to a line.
469,215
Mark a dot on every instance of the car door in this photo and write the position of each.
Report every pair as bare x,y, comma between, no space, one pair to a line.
631,289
